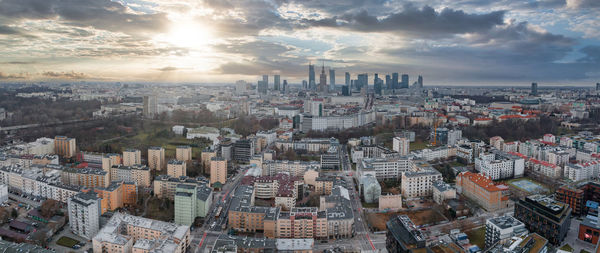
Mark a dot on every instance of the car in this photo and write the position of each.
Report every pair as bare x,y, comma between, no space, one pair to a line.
76,246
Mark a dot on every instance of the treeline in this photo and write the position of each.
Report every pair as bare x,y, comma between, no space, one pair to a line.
513,130
36,110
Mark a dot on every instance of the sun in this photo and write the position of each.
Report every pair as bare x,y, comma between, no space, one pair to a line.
190,34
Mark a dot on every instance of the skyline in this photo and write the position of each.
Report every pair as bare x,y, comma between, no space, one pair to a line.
512,43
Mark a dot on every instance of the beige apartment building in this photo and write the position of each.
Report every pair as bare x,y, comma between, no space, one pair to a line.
218,170
176,168
205,159
156,158
132,157
65,146
183,153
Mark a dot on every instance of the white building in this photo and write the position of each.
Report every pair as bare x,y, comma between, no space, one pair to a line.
41,146
501,229
401,145
442,192
499,165
454,136
443,152
178,130
419,183
210,133
84,214
3,193
582,171
384,168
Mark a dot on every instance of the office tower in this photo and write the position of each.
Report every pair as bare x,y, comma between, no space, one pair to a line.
265,79
404,81
347,81
156,158
395,84
183,153
331,79
363,81
598,86
401,145
243,150
346,90
388,82
311,76
534,89
262,87
284,86
131,157
420,81
545,216
84,214
276,83
150,106
304,85
64,146
176,168
377,85
218,170
323,80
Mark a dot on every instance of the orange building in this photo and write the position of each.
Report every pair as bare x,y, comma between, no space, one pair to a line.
116,195
482,190
64,146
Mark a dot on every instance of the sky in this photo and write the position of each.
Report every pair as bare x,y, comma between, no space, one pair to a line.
448,42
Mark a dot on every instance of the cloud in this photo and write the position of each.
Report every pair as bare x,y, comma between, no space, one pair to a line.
425,22
13,76
592,54
65,75
583,3
19,62
100,14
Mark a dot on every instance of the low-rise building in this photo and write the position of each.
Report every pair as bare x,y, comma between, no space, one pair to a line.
442,192
390,202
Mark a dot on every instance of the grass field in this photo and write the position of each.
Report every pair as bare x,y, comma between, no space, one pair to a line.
567,247
418,145
477,236
67,242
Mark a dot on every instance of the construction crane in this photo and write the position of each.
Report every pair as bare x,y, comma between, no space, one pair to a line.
435,126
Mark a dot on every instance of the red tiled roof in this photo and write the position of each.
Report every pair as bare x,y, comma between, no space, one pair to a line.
482,181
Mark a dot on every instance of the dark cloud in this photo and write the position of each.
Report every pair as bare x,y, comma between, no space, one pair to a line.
100,14
592,54
20,62
425,21
8,30
167,69
65,75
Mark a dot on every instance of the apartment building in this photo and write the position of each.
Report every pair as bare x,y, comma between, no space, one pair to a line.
499,230
84,214
117,195
176,168
65,146
577,195
140,174
126,233
582,171
183,153
499,165
156,158
419,183
403,236
88,177
311,145
165,185
545,216
294,168
482,190
192,201
442,192
132,157
218,170
205,157
384,168
243,150
401,145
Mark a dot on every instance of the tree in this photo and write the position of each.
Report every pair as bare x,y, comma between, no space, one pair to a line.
49,208
14,213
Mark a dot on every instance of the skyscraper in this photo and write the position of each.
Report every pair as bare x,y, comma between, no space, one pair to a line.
150,106
346,90
331,79
311,76
388,82
276,82
363,81
395,84
266,80
377,85
420,81
404,81
284,87
598,86
347,79
304,84
534,89
323,80
262,87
